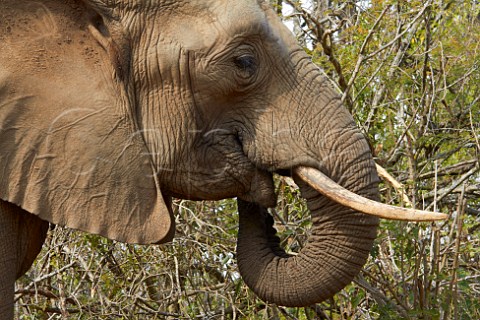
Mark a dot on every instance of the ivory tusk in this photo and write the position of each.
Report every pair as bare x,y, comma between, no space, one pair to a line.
337,193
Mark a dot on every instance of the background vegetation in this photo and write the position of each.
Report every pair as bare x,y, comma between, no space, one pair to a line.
409,72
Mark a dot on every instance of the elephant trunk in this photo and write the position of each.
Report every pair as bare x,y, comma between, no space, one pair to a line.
337,248
317,135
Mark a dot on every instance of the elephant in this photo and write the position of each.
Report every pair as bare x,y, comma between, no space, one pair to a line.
109,109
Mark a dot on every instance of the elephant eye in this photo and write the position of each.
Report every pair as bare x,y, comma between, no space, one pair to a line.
246,65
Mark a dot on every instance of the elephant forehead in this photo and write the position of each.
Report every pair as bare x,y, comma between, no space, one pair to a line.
205,24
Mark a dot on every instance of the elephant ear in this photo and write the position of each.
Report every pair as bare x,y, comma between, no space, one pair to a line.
70,149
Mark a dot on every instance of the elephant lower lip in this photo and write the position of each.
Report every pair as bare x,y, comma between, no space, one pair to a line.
262,190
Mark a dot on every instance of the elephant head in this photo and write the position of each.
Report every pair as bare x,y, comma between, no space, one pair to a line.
109,108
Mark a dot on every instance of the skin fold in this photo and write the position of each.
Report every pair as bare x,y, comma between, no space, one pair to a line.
108,109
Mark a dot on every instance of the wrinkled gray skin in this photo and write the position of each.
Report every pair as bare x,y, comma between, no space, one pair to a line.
213,97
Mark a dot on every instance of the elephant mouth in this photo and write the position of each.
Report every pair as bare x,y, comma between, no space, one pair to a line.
261,190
